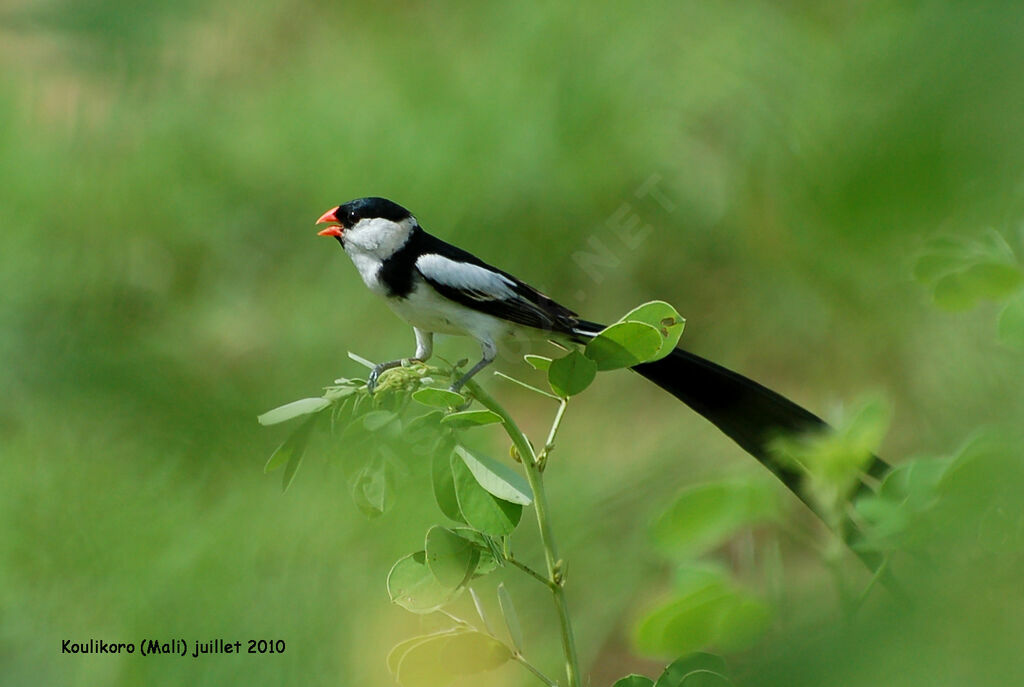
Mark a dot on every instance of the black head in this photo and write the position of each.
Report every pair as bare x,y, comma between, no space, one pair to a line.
351,212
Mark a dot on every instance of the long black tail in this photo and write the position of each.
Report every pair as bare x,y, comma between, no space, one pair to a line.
749,414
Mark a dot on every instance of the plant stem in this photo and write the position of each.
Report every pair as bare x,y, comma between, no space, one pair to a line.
550,443
529,571
533,669
540,506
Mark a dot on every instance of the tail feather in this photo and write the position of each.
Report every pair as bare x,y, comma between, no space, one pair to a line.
750,414
747,412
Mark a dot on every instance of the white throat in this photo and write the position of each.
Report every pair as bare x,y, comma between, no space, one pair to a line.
372,241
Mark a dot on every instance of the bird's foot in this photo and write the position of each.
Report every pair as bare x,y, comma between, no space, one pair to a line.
377,371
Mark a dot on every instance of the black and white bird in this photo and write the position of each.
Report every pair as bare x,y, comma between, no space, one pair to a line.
438,288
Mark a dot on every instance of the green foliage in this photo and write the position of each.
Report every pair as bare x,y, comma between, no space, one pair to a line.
438,398
470,418
413,586
508,611
439,658
705,516
705,609
1011,323
292,410
696,670
537,362
571,374
289,454
624,344
834,461
451,558
481,509
376,430
962,272
634,681
662,317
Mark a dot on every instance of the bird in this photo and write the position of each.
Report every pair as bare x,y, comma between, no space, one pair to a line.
439,288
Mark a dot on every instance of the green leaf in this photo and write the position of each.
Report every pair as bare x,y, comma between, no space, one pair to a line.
444,485
488,558
412,586
438,398
537,362
469,653
695,670
292,410
450,557
571,374
399,650
438,660
290,453
508,609
481,509
983,280
497,478
624,344
662,317
1011,324
704,516
376,420
932,266
707,609
634,681
471,418
373,489
994,280
421,666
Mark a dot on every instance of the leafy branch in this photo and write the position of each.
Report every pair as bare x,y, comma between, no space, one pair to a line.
412,416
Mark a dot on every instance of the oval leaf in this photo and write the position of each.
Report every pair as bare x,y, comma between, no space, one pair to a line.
444,485
624,344
469,653
412,586
662,317
488,555
441,659
291,451
537,362
471,418
450,557
399,650
634,681
508,609
482,510
497,478
438,398
705,515
1011,324
709,609
571,374
373,489
378,419
303,406
680,669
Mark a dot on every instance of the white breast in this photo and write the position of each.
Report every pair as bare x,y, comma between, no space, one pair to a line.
427,309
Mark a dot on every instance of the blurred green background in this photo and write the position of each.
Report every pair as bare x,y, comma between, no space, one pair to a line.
161,284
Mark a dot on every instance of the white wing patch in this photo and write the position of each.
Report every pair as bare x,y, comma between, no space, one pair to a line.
478,283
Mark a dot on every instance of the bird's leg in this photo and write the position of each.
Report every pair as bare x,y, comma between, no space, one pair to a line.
490,351
424,349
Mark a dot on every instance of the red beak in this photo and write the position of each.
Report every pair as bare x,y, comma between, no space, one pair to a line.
330,216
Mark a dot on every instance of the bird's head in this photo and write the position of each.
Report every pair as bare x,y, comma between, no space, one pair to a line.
369,223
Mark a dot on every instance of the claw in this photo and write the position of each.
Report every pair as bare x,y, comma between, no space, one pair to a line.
377,371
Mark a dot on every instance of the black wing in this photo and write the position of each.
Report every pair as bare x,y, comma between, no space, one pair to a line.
466,279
